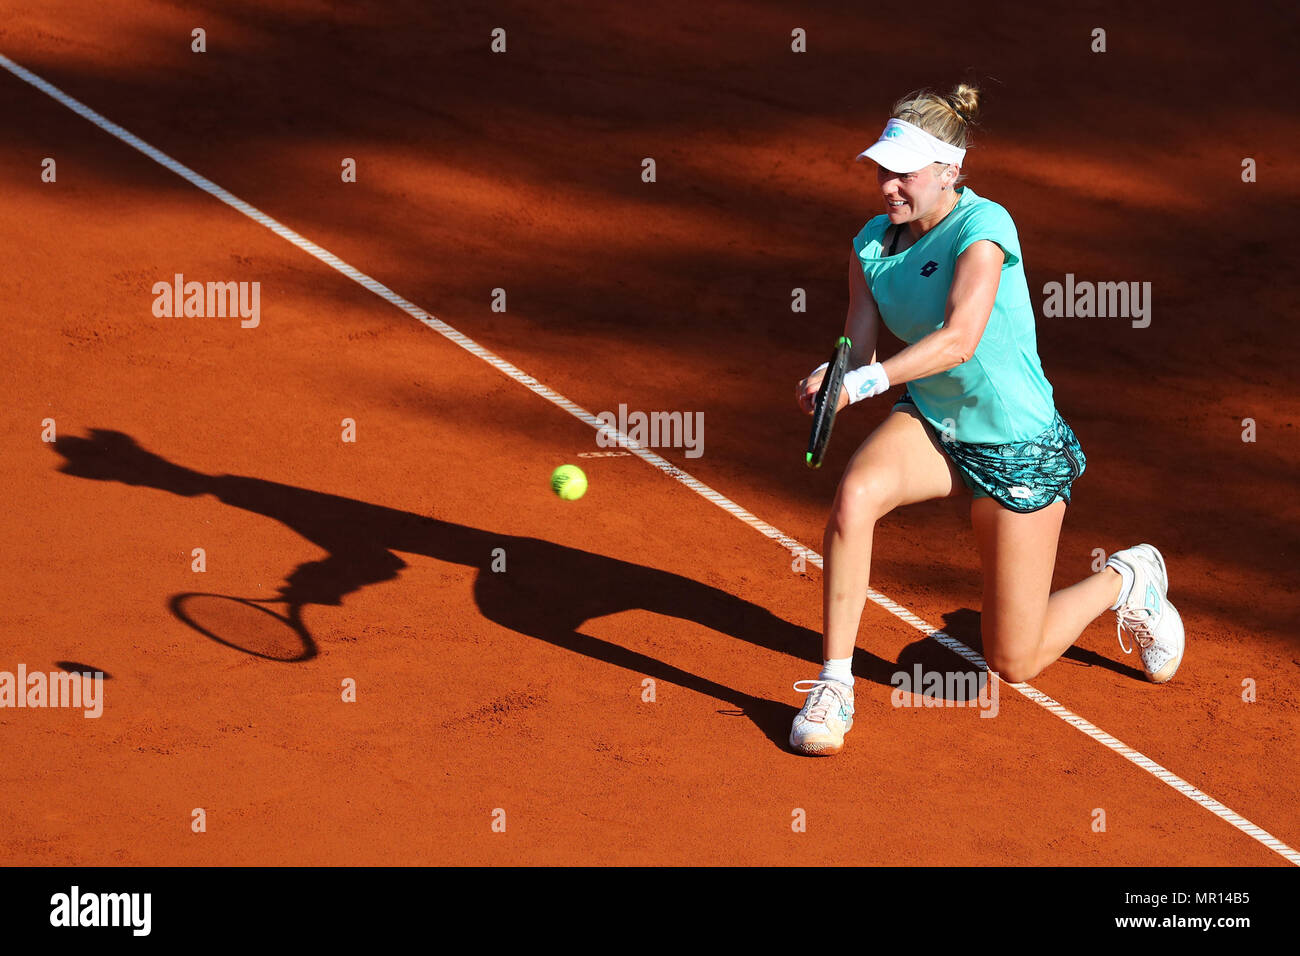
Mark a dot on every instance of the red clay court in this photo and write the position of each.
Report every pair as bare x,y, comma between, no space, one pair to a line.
520,694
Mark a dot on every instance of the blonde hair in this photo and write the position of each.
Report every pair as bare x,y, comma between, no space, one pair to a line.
946,116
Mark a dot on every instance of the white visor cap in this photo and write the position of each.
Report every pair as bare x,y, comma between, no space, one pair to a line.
904,148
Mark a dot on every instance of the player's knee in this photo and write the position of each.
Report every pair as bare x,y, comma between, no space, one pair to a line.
861,501
1013,668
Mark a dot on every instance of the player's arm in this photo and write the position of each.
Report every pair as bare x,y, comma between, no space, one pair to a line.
861,326
970,303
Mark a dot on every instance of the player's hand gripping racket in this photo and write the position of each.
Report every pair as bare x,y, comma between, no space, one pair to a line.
828,400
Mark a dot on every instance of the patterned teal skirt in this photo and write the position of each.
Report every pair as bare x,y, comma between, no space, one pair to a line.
1023,476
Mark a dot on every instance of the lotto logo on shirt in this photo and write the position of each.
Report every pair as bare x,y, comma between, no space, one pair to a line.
929,268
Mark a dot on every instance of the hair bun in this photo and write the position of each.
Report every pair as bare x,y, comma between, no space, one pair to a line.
965,102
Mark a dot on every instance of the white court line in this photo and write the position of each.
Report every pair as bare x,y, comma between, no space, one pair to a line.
723,502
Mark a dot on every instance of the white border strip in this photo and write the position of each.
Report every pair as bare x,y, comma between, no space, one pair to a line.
723,502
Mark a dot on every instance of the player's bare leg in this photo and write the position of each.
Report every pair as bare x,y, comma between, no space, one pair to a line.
1018,555
900,463
1026,626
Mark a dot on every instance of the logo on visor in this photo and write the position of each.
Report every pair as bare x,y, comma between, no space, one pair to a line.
893,132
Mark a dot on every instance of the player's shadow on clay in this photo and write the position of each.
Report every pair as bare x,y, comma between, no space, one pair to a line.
548,590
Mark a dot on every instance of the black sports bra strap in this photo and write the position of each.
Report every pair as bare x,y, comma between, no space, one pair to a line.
893,246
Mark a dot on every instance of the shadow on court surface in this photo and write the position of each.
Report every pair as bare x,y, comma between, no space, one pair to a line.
547,592
76,667
964,625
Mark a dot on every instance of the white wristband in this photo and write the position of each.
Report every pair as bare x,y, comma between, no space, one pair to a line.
866,382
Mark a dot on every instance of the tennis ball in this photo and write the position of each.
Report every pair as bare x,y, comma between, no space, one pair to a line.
569,482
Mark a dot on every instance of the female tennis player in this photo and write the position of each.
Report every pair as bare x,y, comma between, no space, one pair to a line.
942,269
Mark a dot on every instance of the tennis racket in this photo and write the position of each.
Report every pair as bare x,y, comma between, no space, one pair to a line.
828,398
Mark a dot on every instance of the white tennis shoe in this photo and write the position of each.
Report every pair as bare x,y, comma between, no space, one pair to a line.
1145,612
826,717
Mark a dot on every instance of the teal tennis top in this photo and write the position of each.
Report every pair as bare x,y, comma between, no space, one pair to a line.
1000,394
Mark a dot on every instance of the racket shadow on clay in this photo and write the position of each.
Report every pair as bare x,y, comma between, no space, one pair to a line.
547,595
247,624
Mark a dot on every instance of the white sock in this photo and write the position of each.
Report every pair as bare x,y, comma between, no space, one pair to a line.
838,670
1126,573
